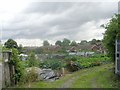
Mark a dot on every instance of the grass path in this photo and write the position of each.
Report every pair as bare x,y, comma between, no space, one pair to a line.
69,82
95,77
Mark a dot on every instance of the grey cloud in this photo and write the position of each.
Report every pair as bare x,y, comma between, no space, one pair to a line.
53,20
48,7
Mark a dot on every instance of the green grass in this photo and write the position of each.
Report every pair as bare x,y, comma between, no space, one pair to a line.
94,77
0,60
98,77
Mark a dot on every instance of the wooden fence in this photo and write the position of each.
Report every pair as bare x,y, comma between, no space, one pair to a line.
7,69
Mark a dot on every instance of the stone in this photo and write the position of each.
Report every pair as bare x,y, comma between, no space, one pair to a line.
48,75
44,74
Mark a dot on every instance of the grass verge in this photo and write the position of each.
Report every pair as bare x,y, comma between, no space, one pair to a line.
94,77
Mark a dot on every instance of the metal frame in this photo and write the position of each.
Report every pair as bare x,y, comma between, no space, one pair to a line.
117,57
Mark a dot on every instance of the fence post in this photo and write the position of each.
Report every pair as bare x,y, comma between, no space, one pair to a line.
7,69
117,56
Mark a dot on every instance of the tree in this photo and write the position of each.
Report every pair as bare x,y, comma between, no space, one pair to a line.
58,43
66,42
11,44
20,48
111,34
83,42
32,60
46,43
73,43
93,41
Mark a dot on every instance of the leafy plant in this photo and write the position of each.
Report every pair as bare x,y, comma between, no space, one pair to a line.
111,34
29,76
93,61
17,64
53,64
32,60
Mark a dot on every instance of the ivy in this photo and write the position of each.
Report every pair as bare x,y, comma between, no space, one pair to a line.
17,65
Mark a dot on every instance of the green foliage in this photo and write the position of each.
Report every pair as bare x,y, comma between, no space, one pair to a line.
111,34
32,60
25,63
29,76
32,76
85,62
83,42
15,57
11,44
93,41
66,42
93,61
53,64
20,48
72,64
46,43
17,64
58,43
73,43
71,58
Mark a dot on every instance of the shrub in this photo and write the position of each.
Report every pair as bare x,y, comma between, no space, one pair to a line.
53,64
18,66
73,66
32,75
97,63
93,61
71,58
32,60
29,75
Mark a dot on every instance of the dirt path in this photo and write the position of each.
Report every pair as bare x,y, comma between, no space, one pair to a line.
68,83
94,83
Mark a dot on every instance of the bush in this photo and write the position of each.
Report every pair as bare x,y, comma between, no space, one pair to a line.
53,64
71,58
19,68
30,75
93,61
97,63
32,60
73,66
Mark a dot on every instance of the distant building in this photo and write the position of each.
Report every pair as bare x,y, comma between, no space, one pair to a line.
98,48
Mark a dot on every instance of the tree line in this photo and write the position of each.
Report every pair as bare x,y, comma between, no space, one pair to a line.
67,42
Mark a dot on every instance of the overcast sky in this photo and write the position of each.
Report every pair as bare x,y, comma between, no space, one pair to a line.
31,22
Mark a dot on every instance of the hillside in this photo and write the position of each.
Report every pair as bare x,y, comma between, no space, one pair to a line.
95,77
